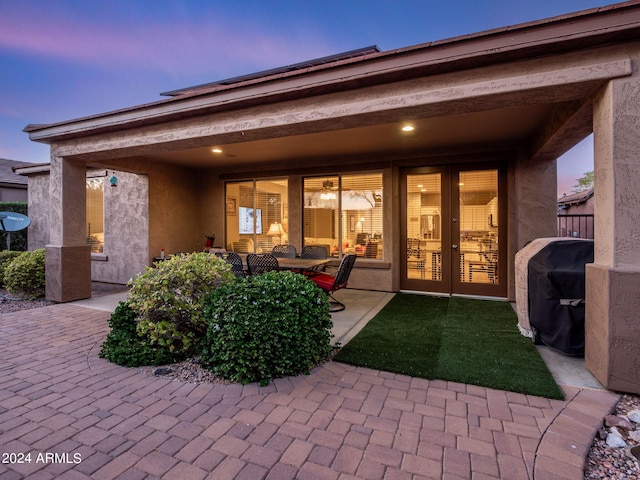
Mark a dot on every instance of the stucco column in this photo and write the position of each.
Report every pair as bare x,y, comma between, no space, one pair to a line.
532,198
68,256
613,280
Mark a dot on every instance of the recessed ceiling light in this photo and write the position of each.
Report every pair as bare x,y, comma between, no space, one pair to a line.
216,150
408,128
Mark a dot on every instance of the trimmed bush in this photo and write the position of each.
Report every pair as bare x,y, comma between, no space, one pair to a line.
6,257
124,346
169,299
25,274
267,326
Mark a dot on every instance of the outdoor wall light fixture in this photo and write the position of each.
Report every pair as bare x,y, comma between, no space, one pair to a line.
408,128
216,150
113,181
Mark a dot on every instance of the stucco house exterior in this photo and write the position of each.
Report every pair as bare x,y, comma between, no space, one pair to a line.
435,163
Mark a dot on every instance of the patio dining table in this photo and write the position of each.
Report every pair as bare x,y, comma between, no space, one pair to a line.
302,264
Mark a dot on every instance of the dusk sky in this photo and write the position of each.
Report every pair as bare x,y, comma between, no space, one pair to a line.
66,59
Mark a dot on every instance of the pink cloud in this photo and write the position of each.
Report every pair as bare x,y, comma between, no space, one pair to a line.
204,46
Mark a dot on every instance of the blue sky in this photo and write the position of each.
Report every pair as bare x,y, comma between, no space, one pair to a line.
66,59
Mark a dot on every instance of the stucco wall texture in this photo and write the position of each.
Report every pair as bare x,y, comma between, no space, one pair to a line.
126,230
126,225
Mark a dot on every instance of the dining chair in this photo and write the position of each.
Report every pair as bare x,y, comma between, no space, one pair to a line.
260,263
233,259
315,252
332,283
284,251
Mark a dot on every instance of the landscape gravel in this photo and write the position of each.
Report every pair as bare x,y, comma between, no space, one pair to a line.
12,303
603,462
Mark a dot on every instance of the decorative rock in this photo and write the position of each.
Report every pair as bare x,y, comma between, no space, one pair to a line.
615,440
162,371
635,436
616,421
634,416
602,433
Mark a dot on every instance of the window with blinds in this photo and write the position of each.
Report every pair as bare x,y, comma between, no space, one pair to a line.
95,214
257,215
345,207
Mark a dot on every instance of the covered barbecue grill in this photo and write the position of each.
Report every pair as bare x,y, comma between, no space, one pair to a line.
552,290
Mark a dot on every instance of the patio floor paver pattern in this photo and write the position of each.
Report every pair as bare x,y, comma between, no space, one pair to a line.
340,422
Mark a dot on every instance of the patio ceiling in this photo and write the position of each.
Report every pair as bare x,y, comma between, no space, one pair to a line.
515,125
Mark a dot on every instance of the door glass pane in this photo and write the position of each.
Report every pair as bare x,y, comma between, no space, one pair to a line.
424,227
479,226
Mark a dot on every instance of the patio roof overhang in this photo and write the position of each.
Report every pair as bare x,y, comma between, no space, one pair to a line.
544,105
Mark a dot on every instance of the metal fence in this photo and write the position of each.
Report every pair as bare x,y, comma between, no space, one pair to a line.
576,226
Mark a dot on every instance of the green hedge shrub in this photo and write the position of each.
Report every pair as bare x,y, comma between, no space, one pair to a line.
6,257
25,274
169,299
268,326
124,346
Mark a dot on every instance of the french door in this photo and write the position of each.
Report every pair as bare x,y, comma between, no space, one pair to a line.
454,223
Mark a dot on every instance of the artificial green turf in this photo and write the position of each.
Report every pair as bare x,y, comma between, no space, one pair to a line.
463,340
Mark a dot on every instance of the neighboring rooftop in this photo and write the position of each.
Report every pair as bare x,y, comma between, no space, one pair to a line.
8,176
575,198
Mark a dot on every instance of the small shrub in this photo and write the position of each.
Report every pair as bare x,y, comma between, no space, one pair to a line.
25,274
169,299
268,326
6,257
124,346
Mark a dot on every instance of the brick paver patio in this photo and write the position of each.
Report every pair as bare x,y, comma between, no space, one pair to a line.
78,416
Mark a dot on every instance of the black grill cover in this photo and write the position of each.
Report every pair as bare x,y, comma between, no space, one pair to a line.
556,294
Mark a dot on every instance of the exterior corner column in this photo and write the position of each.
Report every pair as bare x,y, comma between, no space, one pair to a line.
612,325
68,256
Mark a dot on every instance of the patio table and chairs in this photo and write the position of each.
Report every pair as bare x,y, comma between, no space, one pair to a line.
259,263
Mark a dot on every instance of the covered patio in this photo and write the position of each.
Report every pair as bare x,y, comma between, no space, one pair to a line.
508,101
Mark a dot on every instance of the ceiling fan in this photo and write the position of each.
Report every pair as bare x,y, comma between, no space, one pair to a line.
328,189
328,185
